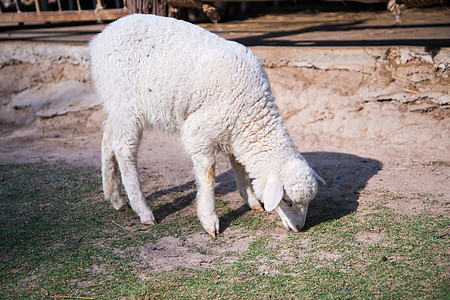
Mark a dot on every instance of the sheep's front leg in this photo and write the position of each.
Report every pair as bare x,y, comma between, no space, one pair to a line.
125,150
206,209
196,139
244,186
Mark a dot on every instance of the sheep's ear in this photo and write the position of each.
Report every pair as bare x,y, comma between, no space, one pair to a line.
318,178
273,193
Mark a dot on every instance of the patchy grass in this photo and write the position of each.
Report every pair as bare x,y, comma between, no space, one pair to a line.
60,238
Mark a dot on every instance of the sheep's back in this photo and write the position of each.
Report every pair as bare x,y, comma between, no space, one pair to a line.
165,69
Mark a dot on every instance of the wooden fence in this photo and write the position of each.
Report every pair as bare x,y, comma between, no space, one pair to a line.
21,11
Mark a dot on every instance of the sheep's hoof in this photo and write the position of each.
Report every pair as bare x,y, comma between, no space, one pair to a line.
257,207
213,234
124,207
149,223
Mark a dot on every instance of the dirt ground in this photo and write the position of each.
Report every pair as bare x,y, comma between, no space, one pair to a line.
378,132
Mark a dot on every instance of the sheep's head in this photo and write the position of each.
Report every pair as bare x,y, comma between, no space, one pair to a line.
290,195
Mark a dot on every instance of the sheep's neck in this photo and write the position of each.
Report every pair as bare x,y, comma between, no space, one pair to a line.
262,142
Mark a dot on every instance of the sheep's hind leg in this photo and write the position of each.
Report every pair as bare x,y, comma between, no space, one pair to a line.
126,149
111,180
244,186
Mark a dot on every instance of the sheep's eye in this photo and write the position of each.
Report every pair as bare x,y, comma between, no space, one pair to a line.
287,201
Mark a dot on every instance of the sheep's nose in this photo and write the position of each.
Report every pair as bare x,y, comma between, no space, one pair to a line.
296,228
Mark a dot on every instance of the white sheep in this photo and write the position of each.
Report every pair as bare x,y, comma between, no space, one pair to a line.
177,77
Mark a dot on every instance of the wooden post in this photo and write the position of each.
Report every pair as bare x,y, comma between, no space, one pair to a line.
156,7
131,5
159,7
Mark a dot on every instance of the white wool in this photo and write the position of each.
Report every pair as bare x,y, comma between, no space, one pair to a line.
179,78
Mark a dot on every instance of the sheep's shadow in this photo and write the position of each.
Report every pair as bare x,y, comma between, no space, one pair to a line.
179,203
224,185
346,175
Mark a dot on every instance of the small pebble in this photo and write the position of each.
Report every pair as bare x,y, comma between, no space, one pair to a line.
337,177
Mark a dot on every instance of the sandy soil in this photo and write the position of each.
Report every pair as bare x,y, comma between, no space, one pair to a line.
369,149
352,142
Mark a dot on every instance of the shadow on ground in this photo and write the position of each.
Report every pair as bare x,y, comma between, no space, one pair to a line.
346,175
285,38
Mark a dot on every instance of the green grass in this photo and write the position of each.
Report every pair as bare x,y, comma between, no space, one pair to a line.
60,238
